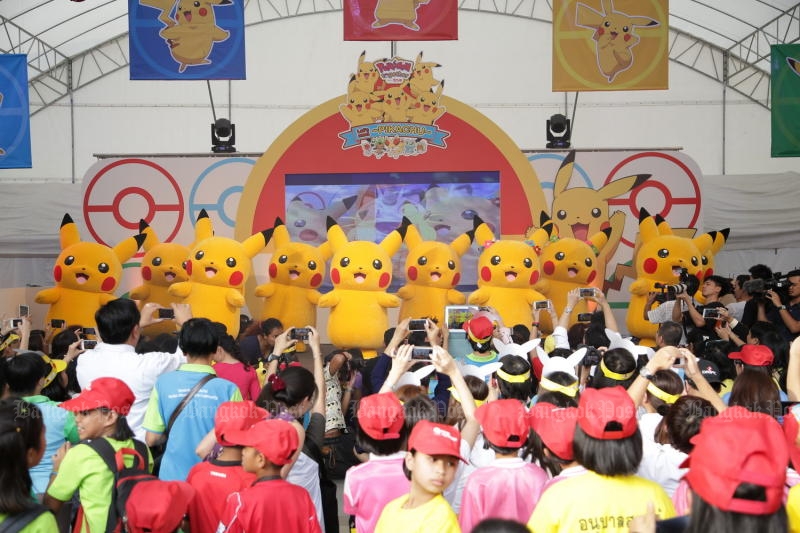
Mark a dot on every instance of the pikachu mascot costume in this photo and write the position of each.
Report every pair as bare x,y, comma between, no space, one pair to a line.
86,274
660,258
162,265
509,278
433,270
218,268
295,272
360,271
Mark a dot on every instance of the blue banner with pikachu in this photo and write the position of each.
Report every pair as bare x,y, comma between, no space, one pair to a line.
15,130
186,39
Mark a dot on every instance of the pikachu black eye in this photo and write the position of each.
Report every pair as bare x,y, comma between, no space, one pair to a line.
282,259
495,260
451,265
588,261
183,265
694,261
625,29
662,253
704,259
231,262
377,264
69,260
312,265
344,261
560,256
606,24
156,261
561,214
422,261
596,212
527,262
103,268
199,255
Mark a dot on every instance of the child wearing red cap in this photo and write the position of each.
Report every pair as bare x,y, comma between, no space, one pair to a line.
370,486
430,464
218,478
271,503
608,444
551,440
509,487
480,332
100,412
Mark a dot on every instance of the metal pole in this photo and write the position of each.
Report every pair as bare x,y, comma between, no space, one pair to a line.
71,116
211,97
726,59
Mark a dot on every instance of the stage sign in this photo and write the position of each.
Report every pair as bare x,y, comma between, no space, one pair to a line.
785,103
15,131
400,20
201,40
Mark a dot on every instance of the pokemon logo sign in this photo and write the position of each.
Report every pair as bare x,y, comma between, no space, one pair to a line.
392,107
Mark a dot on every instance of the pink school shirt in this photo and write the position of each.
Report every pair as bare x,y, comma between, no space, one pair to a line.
244,377
508,488
370,486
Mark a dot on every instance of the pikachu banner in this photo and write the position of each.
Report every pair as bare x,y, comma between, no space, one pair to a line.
15,133
785,100
610,45
400,20
186,39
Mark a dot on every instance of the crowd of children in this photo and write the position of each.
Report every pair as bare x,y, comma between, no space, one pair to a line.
491,429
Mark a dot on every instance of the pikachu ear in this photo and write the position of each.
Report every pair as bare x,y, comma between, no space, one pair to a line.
203,228
151,239
281,234
600,239
564,173
648,229
128,247
704,242
622,185
483,232
663,226
256,243
68,233
720,238
336,236
394,240
462,243
412,238
541,236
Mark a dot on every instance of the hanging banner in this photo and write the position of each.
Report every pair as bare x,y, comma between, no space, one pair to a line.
785,100
201,40
15,131
606,45
400,20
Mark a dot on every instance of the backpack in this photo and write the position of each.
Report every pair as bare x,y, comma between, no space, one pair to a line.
18,522
125,479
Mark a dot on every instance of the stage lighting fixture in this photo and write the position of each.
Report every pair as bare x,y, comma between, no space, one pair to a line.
223,136
559,131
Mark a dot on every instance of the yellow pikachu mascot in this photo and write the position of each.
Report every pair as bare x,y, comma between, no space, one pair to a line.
162,265
86,275
718,238
295,272
218,268
660,257
509,278
360,271
568,264
433,269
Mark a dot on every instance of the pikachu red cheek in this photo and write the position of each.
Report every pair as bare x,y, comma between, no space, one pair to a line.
456,279
549,267
57,273
188,267
627,37
650,265
273,270
108,284
592,275
384,280
486,274
316,280
709,272
534,277
336,278
236,279
412,273
203,12
147,274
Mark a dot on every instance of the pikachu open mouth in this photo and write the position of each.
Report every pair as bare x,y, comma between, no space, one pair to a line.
169,276
187,15
572,272
435,276
211,272
511,276
359,277
81,278
580,231
676,271
294,274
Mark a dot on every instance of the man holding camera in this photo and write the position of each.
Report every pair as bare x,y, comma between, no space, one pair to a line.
704,317
784,315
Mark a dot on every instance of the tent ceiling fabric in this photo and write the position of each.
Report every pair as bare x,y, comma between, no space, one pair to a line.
71,28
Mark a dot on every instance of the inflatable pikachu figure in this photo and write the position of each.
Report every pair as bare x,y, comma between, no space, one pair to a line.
509,278
162,265
86,274
433,269
360,271
567,264
660,258
218,268
295,272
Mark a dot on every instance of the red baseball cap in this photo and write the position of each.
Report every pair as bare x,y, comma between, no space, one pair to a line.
504,423
158,506
791,427
381,416
555,426
235,416
111,393
738,446
479,329
275,438
435,439
607,414
754,355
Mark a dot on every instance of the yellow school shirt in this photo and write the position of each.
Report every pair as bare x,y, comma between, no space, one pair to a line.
596,503
436,515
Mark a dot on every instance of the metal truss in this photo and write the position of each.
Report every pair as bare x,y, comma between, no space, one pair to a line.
744,67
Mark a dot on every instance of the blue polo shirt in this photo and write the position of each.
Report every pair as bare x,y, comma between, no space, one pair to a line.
59,427
193,423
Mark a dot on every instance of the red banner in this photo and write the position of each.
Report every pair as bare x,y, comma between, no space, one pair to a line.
400,20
